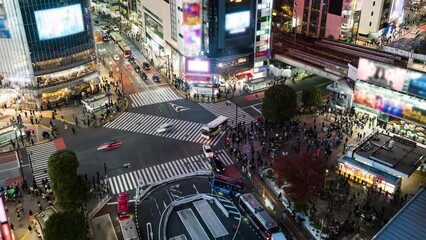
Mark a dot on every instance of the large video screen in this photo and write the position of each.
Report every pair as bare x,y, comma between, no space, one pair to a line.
396,12
59,22
390,102
417,84
237,22
381,74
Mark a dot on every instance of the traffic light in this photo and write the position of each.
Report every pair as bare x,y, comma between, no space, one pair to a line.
126,165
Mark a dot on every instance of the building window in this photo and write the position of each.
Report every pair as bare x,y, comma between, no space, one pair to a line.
173,26
374,3
369,24
372,13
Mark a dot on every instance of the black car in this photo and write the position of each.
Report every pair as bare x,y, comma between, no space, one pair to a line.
217,165
146,66
143,75
132,60
137,68
156,78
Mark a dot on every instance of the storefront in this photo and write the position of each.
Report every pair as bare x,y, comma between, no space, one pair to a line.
383,182
66,95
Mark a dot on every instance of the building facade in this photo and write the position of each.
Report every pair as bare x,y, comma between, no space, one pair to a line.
47,58
207,43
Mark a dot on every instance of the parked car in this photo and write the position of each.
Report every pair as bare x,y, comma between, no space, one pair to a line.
116,57
217,165
132,60
137,68
146,66
156,78
96,23
208,151
115,29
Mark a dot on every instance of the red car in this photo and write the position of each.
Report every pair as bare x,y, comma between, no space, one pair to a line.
109,145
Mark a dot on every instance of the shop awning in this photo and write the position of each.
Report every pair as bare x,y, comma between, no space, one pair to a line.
242,75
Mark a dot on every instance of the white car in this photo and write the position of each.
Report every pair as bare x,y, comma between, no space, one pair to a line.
115,29
116,57
165,128
208,151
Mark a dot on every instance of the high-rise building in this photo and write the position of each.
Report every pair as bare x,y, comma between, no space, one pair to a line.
379,17
310,17
47,51
201,41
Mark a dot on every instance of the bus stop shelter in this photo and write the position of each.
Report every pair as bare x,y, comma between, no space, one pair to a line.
96,103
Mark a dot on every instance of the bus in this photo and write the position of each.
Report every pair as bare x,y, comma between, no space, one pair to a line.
258,216
115,37
125,49
227,186
128,229
212,128
123,206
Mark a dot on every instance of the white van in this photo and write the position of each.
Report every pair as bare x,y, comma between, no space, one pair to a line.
414,32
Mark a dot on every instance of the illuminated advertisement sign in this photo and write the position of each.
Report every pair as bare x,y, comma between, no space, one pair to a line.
4,25
59,22
197,66
381,74
417,84
192,26
390,102
237,22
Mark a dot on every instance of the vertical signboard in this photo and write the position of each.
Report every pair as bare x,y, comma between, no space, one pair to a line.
192,27
4,25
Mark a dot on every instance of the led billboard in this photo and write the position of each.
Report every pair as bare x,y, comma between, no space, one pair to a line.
417,84
4,25
197,66
192,26
59,22
381,74
390,102
237,22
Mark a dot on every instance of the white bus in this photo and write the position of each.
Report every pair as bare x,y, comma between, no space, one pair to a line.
128,229
212,128
258,216
115,37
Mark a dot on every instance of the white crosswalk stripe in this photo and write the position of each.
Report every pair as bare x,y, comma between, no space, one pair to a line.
129,181
148,124
221,108
39,158
158,95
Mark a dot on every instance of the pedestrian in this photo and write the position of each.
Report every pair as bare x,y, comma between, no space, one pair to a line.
30,229
65,126
11,226
32,141
30,213
73,130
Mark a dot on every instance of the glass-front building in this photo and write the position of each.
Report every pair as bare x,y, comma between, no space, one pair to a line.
58,48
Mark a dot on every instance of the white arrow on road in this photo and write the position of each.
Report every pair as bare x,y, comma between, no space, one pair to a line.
178,108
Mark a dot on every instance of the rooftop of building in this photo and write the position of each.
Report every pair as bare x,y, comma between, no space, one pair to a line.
409,222
394,152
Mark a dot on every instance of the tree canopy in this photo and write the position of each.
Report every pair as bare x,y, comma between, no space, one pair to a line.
304,173
69,188
69,225
280,103
311,97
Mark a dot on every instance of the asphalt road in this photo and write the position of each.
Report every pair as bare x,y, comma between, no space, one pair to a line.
144,151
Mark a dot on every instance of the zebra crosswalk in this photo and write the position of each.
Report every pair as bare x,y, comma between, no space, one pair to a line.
148,124
39,155
158,95
129,181
228,109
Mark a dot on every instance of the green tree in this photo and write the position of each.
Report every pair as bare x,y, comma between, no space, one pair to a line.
311,97
69,225
69,188
280,103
